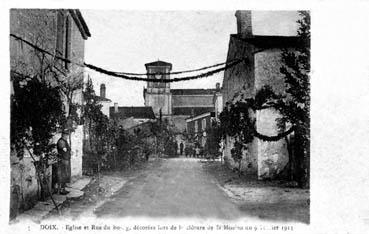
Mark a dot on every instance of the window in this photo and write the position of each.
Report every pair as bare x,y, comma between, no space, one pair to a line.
67,42
60,34
63,38
203,124
196,126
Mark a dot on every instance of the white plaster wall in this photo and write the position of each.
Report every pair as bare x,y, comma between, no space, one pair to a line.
272,156
157,101
77,151
105,108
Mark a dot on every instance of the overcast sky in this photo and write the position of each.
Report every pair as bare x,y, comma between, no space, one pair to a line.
126,40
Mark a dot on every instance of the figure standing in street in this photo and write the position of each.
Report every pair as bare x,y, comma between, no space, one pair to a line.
63,167
181,148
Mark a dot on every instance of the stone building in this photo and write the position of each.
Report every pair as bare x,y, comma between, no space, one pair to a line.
263,54
130,116
62,32
104,101
176,105
197,126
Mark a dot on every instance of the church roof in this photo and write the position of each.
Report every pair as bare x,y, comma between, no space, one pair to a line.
192,91
159,64
191,110
137,112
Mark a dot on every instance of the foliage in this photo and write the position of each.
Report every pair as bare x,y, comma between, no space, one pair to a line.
165,137
37,112
295,107
97,126
237,122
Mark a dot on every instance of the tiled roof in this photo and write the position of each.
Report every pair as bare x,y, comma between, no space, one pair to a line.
270,41
192,91
80,22
99,98
191,110
137,112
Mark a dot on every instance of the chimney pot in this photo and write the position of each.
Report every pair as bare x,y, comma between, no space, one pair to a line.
244,23
102,91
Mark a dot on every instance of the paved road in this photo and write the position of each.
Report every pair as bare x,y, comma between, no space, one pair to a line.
179,187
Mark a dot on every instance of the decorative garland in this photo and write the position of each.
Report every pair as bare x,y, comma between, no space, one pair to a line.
236,122
123,75
202,75
173,73
273,138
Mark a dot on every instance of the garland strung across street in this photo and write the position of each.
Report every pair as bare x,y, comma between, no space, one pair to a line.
202,75
125,75
172,73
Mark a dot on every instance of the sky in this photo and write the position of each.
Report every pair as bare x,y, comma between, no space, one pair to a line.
125,40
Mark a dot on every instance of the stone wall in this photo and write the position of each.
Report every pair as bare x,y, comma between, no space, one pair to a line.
272,156
25,189
267,70
240,76
159,101
39,26
192,100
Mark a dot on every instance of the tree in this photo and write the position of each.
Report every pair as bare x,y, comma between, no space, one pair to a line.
295,106
96,125
36,114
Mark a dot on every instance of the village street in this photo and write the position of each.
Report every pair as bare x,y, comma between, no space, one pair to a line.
190,188
178,188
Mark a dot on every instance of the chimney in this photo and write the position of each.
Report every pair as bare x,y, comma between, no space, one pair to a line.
217,86
102,91
115,107
244,26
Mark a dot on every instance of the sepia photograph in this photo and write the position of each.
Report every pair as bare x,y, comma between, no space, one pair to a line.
159,114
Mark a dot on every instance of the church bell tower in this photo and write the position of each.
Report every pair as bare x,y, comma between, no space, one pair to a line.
157,94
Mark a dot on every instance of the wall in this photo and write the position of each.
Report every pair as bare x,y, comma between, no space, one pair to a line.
240,76
77,151
272,156
192,100
239,79
36,26
105,109
25,190
39,26
157,101
267,70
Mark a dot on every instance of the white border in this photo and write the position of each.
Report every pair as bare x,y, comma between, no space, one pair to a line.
339,111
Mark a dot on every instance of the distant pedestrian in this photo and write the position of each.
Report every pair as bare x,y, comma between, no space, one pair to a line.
176,147
63,166
181,148
197,151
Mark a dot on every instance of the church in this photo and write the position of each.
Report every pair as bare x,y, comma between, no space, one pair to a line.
176,105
